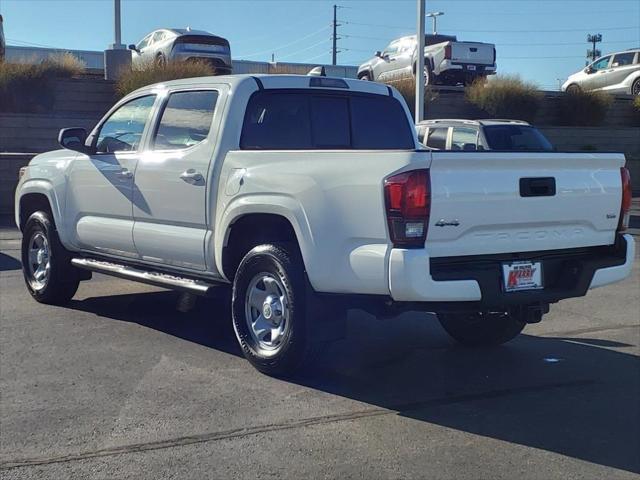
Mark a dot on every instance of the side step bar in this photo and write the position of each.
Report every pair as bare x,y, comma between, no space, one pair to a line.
158,279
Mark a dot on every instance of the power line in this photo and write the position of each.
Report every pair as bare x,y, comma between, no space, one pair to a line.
288,44
305,49
497,31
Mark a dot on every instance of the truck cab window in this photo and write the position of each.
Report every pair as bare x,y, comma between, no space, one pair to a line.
122,131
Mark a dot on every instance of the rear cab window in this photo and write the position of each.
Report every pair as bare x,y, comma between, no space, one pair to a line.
315,120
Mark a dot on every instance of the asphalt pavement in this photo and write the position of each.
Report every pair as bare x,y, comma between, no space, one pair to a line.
120,384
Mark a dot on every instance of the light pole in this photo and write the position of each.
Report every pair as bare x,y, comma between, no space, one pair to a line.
434,16
116,58
419,110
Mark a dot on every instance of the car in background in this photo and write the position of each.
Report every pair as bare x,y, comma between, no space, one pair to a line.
2,42
447,61
167,44
614,73
472,135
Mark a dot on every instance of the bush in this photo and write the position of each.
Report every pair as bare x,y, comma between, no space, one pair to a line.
636,109
407,88
26,87
583,109
153,72
505,97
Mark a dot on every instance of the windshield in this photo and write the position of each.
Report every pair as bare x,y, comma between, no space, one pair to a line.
516,138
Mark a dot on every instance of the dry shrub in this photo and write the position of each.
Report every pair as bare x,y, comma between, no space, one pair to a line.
154,72
26,87
505,97
582,109
407,88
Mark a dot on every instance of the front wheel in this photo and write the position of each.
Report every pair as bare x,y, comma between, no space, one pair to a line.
365,77
269,310
481,329
46,264
573,89
635,88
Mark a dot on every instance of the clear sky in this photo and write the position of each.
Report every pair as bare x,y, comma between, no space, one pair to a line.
541,40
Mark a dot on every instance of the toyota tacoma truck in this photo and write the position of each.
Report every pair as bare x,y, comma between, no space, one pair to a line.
304,197
446,61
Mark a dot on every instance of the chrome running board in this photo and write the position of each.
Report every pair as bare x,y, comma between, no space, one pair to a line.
159,279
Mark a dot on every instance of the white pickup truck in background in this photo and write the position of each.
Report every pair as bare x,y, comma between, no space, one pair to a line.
312,195
446,61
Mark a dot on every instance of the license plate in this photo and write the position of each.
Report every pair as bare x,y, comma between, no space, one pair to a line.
522,276
471,67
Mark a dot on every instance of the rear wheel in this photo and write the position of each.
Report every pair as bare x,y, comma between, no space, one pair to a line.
427,75
46,265
478,329
161,60
635,88
270,310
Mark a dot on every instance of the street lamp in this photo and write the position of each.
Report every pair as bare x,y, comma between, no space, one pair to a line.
434,15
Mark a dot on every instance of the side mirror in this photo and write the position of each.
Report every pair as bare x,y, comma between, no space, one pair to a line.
133,47
73,139
378,53
588,70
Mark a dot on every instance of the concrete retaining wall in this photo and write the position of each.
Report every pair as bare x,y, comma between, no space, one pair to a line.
451,104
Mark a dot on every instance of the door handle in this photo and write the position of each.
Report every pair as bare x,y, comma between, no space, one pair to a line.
125,173
191,176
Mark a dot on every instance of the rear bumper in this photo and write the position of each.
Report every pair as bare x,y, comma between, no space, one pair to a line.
461,69
415,277
221,62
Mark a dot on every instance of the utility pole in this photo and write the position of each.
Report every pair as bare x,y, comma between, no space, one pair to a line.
419,111
594,52
334,49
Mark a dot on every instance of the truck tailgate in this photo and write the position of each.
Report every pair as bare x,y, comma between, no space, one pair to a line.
499,202
471,52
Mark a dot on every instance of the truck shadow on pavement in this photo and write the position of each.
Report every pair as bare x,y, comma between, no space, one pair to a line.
9,263
572,396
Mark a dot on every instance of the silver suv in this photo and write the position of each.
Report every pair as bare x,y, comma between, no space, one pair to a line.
472,135
183,44
614,73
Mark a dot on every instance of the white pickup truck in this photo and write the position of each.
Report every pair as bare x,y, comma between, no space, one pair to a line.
310,196
446,61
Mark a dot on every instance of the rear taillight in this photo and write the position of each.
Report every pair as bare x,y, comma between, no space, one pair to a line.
408,202
447,52
625,205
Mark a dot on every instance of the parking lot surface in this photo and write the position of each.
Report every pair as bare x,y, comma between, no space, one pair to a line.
120,384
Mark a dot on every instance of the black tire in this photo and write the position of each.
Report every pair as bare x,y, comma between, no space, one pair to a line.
479,329
635,88
161,60
297,347
365,77
60,282
573,88
427,74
